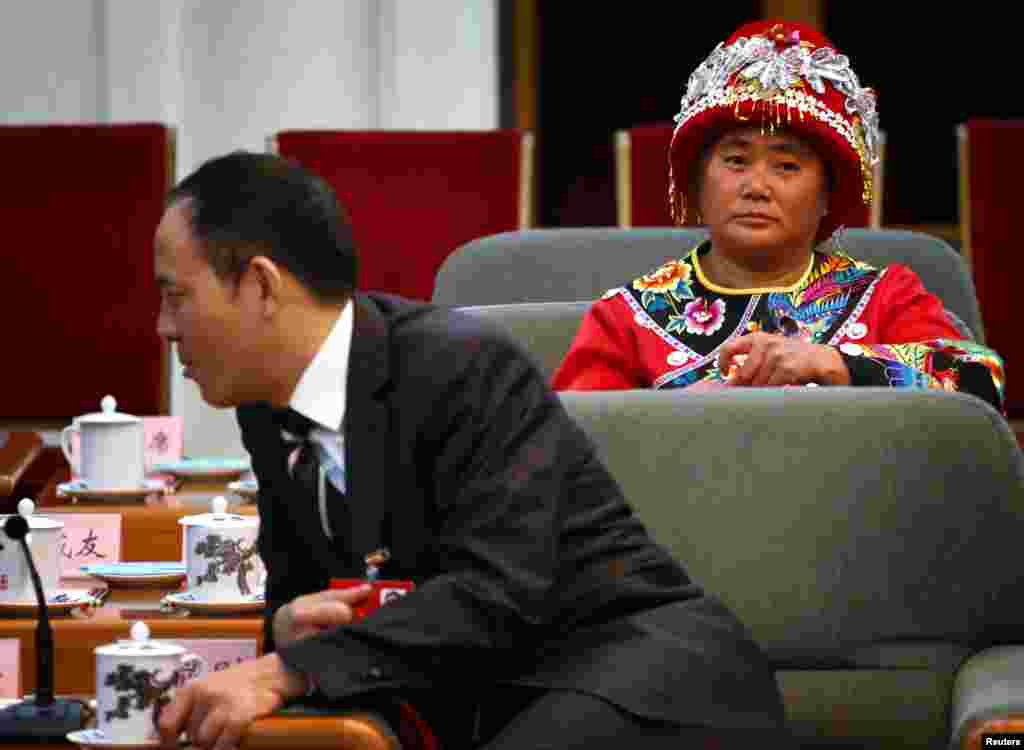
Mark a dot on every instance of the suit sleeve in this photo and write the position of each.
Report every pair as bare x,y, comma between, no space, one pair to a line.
502,452
920,346
604,355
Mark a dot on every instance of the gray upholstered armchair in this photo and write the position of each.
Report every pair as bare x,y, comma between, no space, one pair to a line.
545,330
564,265
868,538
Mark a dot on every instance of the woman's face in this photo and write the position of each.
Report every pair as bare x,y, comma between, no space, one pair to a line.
762,195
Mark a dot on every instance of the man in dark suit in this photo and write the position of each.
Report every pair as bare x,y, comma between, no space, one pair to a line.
543,613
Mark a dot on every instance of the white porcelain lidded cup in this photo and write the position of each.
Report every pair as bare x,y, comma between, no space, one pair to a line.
44,541
111,447
221,560
135,679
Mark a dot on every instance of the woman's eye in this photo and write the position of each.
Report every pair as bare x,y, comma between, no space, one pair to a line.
789,166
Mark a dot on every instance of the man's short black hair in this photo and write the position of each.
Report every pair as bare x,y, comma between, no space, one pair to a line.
247,204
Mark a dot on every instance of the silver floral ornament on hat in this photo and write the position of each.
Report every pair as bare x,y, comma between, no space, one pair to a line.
759,60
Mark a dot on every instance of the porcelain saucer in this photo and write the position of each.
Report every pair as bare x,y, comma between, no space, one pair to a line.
79,489
137,574
60,601
247,488
201,605
98,739
205,468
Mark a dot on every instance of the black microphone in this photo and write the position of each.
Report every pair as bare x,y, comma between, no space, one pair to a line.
41,718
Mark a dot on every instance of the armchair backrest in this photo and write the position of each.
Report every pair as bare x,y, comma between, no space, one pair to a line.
550,265
834,521
865,536
555,265
545,330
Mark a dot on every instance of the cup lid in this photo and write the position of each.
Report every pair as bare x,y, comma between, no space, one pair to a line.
108,414
27,509
219,518
139,644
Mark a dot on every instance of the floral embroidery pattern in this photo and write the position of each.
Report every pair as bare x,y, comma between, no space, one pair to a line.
936,363
834,277
666,286
673,304
699,317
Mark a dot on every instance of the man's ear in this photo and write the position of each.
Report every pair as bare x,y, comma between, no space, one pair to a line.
267,282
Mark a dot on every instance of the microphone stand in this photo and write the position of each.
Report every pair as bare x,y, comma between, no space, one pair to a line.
44,635
42,718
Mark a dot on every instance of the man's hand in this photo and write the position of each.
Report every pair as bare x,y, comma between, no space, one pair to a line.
313,613
772,360
215,710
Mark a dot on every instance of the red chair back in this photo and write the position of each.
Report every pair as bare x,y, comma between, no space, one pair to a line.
415,196
80,206
641,166
993,160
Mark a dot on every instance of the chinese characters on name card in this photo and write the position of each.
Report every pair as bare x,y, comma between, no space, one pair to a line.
88,538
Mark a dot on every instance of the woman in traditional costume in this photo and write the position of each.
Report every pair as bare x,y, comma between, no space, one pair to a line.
773,149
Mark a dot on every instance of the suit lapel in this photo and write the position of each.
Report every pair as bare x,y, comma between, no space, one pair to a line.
367,429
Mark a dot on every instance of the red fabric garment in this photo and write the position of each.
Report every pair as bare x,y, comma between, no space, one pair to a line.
892,319
76,281
414,197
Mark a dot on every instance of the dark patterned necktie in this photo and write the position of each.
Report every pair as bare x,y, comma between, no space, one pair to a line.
316,471
295,424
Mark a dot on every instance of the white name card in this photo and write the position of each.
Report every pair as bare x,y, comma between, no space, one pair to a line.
88,539
10,668
164,440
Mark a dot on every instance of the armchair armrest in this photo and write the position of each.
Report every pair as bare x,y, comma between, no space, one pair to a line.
303,728
18,450
988,696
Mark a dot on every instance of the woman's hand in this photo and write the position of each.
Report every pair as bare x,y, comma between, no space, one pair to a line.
313,613
767,359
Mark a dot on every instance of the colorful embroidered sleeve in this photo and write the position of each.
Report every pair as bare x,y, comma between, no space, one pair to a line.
603,355
915,344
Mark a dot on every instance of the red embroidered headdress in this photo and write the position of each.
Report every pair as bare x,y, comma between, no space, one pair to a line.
779,74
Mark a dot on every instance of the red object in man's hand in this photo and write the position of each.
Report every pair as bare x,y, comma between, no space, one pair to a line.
384,591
